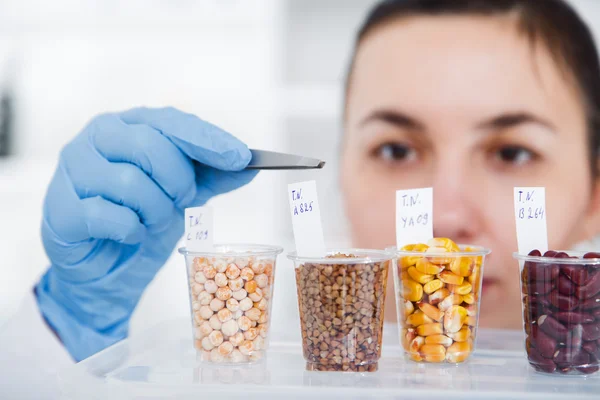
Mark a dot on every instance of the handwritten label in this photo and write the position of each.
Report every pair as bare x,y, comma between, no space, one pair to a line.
530,216
199,229
414,216
306,219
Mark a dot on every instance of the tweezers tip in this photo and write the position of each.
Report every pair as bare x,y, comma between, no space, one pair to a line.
321,164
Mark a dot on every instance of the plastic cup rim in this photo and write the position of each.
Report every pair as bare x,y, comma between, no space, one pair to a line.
249,249
480,251
562,261
373,255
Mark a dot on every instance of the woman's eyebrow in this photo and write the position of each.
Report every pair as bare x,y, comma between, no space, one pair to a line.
512,119
395,118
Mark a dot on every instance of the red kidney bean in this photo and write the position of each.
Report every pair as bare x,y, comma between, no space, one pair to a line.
575,338
582,358
565,357
535,308
570,318
540,287
552,327
564,368
539,301
589,370
563,302
592,348
590,289
540,363
540,272
544,343
528,344
562,314
591,304
566,361
576,273
565,286
591,331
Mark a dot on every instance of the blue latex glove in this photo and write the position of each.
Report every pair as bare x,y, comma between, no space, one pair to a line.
114,213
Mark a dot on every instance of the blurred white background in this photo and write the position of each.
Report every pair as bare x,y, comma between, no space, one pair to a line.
269,71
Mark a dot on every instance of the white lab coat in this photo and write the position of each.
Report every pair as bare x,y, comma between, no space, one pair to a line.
30,355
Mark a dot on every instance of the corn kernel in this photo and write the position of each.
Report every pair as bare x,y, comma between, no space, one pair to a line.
404,275
431,311
407,337
451,300
458,352
415,357
432,286
419,276
426,267
464,288
475,278
420,247
471,320
418,318
416,344
412,291
433,352
450,278
460,336
454,318
437,259
446,243
439,339
469,298
471,310
430,329
408,261
438,296
462,266
478,259
409,308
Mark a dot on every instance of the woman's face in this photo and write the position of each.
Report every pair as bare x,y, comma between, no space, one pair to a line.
467,106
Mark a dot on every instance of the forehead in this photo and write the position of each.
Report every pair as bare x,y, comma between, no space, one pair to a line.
457,65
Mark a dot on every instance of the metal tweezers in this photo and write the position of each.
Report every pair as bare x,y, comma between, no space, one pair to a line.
263,159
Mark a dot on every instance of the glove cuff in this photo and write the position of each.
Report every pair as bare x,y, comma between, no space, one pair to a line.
80,340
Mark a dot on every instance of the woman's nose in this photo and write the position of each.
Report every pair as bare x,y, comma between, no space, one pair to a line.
454,214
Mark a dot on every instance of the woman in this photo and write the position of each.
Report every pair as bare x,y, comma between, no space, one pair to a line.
474,98
469,97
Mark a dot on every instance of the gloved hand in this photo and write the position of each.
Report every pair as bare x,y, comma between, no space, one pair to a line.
114,213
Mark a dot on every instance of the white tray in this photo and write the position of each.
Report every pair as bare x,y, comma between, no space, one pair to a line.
162,364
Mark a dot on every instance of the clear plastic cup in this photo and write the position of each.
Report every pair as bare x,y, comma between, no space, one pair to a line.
231,291
341,299
437,300
561,311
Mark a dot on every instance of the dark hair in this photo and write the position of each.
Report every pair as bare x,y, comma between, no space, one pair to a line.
553,23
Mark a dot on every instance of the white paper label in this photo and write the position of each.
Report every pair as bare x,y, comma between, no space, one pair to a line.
414,216
199,229
530,217
306,219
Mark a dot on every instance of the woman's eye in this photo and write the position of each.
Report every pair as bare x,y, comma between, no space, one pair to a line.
514,155
394,152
